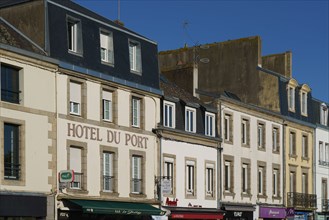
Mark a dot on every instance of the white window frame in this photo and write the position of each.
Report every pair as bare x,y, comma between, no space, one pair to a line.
135,56
190,119
106,47
292,143
75,36
136,112
210,124
324,114
108,170
75,98
210,179
168,171
136,173
227,176
107,105
169,114
76,165
190,177
291,98
244,131
304,146
303,102
260,135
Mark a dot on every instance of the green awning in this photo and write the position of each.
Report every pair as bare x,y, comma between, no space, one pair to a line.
116,208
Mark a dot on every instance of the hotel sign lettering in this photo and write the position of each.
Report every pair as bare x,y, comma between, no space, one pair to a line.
108,135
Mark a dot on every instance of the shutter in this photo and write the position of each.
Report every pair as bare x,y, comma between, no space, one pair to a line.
138,58
75,92
75,159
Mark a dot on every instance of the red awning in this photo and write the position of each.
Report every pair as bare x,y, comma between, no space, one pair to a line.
196,216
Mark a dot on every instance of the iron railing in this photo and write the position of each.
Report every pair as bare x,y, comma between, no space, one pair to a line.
77,182
301,200
10,96
108,183
137,185
12,171
325,205
324,163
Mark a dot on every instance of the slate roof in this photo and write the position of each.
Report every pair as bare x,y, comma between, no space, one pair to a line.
11,37
6,3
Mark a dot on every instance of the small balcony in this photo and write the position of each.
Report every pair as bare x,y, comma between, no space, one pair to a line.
10,96
324,163
77,182
108,183
325,205
137,185
12,171
301,200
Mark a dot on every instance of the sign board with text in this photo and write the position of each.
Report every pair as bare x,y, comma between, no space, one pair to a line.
66,176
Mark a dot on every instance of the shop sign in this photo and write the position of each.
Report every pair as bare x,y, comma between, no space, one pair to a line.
237,214
108,135
171,202
166,186
290,212
272,212
66,176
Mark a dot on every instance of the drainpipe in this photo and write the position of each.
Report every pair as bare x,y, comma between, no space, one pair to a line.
219,155
159,136
284,163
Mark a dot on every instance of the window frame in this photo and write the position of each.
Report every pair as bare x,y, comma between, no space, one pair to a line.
74,100
136,111
303,102
110,175
135,56
305,146
10,77
210,127
227,176
109,48
190,119
292,143
168,121
108,100
190,177
210,180
324,114
275,182
291,98
15,160
169,162
139,175
261,135
244,178
74,35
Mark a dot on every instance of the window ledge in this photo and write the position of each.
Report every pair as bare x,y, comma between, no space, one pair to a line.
275,152
245,145
262,196
107,63
208,197
78,191
306,158
190,196
246,195
137,195
226,193
262,149
75,53
228,141
276,197
293,155
109,194
136,72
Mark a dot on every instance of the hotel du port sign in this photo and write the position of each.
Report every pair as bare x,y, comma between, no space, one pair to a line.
110,136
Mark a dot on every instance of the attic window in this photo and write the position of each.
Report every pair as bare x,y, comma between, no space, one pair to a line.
74,35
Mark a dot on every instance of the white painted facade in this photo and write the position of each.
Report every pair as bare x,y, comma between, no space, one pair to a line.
238,155
182,152
321,164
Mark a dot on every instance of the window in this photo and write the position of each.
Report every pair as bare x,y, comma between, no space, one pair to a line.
190,119
245,177
168,171
9,84
292,143
327,153
228,128
227,176
324,114
74,35
75,98
210,180
260,181
106,43
190,177
136,111
107,106
210,124
261,136
245,132
304,183
136,171
303,102
169,114
304,146
108,176
275,140
321,152
292,180
291,98
275,183
11,152
76,166
324,189
135,56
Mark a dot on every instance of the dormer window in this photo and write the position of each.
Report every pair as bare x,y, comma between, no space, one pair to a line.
74,35
106,43
303,99
324,114
135,57
168,114
190,119
291,89
210,124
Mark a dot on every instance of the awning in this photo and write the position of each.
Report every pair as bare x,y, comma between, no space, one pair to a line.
117,208
241,208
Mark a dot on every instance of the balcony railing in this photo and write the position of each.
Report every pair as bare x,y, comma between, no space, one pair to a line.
301,200
12,171
325,205
324,163
10,96
77,182
108,182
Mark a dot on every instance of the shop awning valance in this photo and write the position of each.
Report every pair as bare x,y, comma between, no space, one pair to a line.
116,208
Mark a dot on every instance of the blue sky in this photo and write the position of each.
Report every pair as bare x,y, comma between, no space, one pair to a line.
297,25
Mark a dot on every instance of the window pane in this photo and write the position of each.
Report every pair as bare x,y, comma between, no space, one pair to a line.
9,84
11,151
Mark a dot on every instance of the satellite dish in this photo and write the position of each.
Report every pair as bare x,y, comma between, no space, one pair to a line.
204,60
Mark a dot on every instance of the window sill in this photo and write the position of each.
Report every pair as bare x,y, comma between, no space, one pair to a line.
293,156
136,72
108,194
137,195
189,195
262,196
245,145
107,63
275,152
75,53
276,198
262,149
78,191
246,195
210,197
227,193
306,158
228,141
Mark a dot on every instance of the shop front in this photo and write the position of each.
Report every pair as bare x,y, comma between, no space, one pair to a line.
195,213
303,215
18,205
272,213
238,211
74,209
